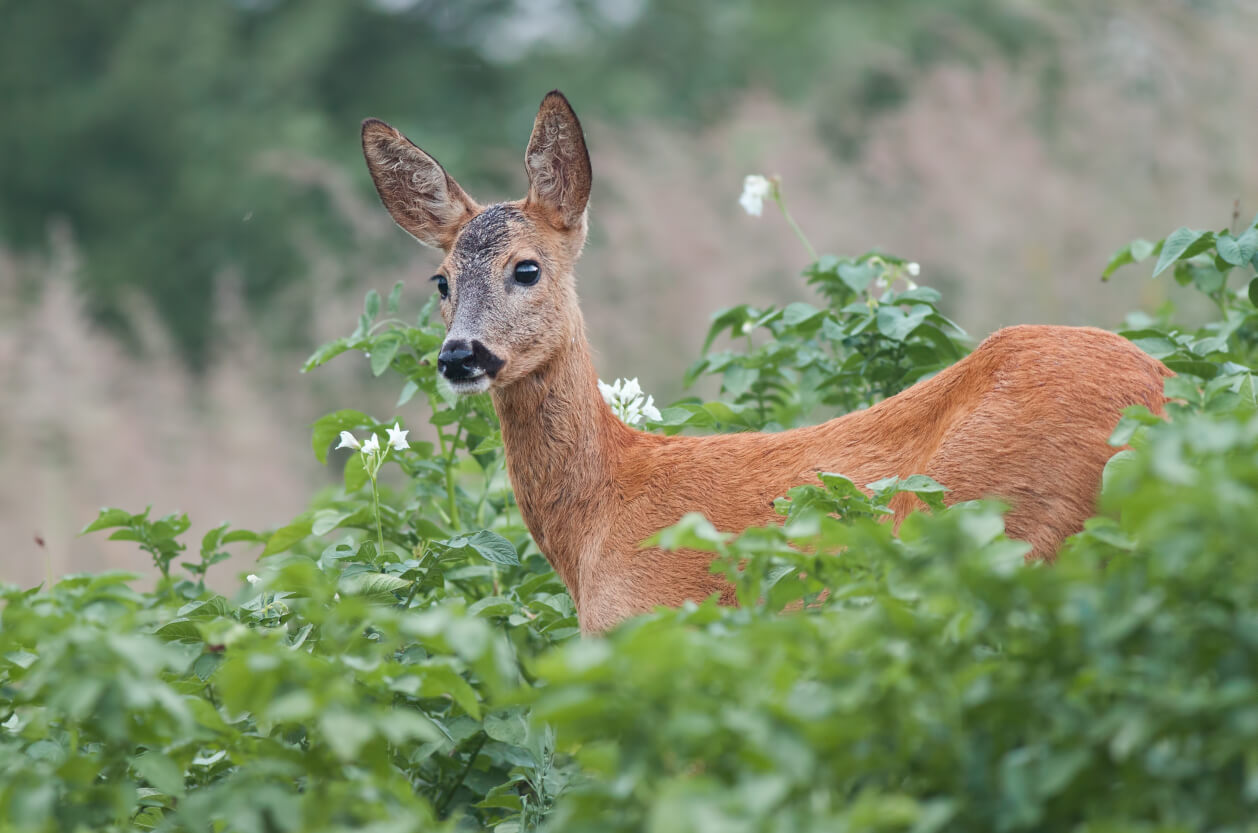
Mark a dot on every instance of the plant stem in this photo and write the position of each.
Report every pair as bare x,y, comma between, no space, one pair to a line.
777,197
471,759
450,495
375,500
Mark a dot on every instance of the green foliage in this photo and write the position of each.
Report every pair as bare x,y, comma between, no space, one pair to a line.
405,659
869,342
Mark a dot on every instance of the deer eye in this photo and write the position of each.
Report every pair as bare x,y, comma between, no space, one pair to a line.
443,285
527,272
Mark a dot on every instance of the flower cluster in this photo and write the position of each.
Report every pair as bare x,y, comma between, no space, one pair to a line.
892,273
397,441
628,402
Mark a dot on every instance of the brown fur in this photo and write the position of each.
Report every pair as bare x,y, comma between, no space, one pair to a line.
1026,417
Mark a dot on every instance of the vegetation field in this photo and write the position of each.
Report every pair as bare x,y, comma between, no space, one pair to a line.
402,658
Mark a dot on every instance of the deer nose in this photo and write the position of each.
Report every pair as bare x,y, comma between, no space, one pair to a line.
456,360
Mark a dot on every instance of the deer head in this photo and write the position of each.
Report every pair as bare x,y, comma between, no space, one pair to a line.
508,295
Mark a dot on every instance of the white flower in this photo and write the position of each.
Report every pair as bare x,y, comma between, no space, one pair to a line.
348,440
628,402
914,269
397,437
372,445
252,579
755,189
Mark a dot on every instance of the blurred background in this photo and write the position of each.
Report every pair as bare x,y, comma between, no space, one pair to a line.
184,211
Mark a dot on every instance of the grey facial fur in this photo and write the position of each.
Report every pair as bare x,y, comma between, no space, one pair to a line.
479,245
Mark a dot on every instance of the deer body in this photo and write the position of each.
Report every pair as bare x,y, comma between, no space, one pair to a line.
1026,417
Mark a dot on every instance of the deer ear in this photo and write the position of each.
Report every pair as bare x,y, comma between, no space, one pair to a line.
423,199
558,164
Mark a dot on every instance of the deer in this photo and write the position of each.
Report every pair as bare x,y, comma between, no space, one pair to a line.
1026,417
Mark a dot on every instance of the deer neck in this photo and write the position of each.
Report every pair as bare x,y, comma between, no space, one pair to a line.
561,441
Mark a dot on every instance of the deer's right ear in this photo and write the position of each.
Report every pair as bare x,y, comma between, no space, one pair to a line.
558,163
423,199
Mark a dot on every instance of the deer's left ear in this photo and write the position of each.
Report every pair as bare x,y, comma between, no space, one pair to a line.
558,164
423,199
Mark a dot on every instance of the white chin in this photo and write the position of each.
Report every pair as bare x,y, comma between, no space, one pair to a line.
477,384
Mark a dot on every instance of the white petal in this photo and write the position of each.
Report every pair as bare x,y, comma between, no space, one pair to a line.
252,579
914,269
372,445
397,437
652,412
757,185
348,440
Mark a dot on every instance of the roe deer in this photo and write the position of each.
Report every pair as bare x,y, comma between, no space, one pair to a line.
1025,417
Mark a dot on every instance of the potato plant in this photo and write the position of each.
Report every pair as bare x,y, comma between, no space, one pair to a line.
403,658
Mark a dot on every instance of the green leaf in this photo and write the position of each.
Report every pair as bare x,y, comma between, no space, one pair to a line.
206,664
1230,250
108,519
1253,292
408,392
1182,243
507,726
329,427
325,353
798,312
394,298
493,547
355,473
379,587
896,324
160,771
345,732
440,681
179,630
371,307
284,538
237,535
858,276
1247,243
326,520
382,353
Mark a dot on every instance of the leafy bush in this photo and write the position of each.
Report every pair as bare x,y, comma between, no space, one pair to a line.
405,658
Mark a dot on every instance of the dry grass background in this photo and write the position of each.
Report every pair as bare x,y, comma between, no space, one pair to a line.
1155,122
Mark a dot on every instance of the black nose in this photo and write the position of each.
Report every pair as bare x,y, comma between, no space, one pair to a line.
456,360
